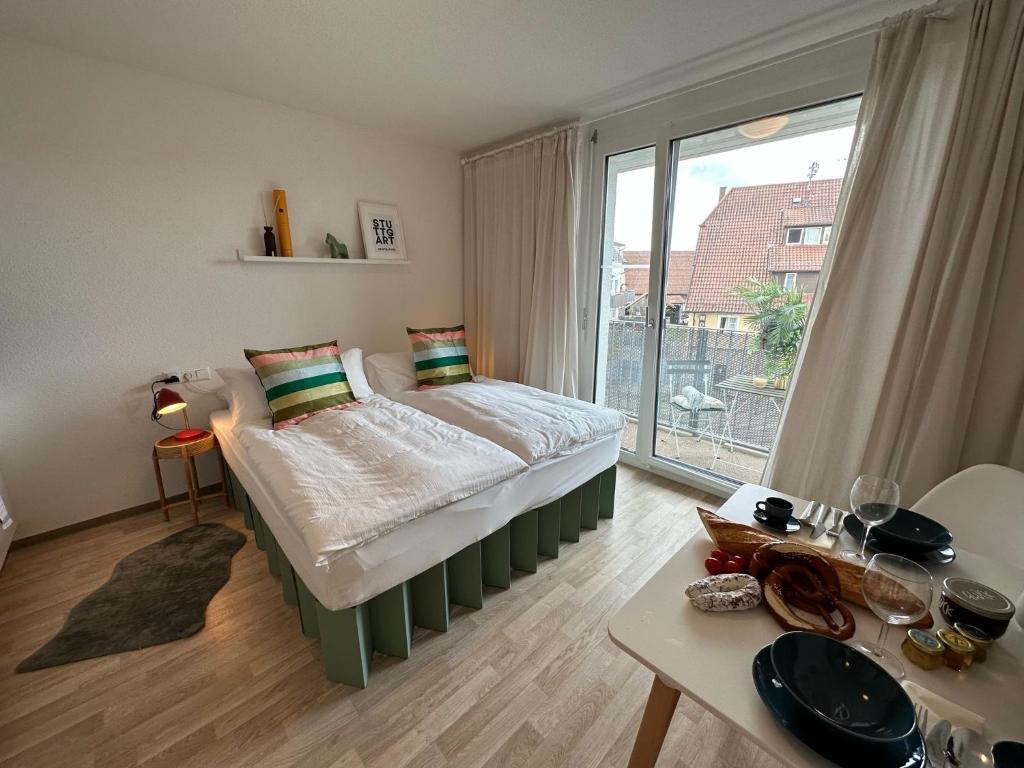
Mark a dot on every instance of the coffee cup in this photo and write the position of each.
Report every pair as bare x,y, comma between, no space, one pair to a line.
775,510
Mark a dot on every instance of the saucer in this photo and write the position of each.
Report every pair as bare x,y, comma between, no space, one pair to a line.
792,526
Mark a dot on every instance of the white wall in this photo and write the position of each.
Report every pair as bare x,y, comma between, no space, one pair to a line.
123,196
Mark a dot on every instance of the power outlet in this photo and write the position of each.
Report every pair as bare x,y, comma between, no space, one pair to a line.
195,374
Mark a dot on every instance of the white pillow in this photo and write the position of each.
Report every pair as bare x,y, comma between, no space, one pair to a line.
247,400
391,372
244,393
352,362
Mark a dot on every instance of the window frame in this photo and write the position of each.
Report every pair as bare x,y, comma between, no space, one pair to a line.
785,280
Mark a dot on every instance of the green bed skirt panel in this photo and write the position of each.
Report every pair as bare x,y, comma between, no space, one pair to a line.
572,514
496,559
549,526
239,498
430,599
271,550
346,644
523,539
391,621
465,577
348,637
307,609
289,587
257,528
608,492
591,503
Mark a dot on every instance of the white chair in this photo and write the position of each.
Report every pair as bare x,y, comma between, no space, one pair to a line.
984,508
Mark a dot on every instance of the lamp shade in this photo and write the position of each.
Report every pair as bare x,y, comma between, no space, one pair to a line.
168,401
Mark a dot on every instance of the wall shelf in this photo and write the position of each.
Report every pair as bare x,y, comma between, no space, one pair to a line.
313,259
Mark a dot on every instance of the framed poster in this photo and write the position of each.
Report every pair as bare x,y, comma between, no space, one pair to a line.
383,237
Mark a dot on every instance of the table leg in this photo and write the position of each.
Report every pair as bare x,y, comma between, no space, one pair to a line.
193,487
160,487
661,705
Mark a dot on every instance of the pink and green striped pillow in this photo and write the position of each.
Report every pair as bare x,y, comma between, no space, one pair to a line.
302,381
440,356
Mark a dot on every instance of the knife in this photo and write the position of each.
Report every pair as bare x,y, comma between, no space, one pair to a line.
819,522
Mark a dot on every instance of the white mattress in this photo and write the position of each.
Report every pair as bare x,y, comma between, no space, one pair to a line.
355,575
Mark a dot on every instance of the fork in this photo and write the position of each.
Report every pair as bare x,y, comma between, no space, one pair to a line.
921,715
836,528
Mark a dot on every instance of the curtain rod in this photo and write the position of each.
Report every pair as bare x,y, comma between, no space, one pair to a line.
521,142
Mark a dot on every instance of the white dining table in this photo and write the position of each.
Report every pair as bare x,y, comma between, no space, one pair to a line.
708,656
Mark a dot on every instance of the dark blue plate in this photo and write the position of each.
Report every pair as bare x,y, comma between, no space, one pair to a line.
940,556
1008,754
913,532
831,744
843,688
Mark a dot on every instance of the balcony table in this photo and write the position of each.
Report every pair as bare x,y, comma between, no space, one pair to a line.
708,656
733,388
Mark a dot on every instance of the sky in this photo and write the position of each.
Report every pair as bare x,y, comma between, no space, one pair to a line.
769,162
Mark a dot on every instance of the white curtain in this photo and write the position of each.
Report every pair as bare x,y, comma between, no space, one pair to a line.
913,366
520,271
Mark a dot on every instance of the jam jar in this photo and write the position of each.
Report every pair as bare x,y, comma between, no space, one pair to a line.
958,653
923,649
982,642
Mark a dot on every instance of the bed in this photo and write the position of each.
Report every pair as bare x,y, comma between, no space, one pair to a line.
359,597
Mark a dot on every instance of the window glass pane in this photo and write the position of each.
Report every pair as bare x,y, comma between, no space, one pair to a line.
625,275
738,206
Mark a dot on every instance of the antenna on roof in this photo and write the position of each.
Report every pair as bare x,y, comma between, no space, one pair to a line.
812,171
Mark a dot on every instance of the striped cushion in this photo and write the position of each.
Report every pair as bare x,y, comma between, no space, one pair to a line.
302,381
440,356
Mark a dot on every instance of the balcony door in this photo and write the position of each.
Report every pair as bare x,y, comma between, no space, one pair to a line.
710,251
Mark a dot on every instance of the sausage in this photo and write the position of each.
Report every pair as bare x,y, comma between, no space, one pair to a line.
725,592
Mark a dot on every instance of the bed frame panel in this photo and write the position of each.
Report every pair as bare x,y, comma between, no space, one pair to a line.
349,637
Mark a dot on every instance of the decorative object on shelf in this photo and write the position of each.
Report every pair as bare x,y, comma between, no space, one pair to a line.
797,577
383,236
338,250
725,592
168,401
284,230
269,242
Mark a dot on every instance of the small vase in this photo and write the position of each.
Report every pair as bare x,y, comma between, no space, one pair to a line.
269,241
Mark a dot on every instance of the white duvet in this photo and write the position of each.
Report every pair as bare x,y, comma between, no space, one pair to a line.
346,477
530,422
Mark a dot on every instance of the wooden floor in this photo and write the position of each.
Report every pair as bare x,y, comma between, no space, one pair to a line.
530,680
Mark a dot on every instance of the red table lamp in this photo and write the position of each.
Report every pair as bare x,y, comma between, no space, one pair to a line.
168,401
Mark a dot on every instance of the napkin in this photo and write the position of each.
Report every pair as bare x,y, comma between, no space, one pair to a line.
940,708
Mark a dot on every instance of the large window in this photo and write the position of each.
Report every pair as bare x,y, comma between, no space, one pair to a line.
700,380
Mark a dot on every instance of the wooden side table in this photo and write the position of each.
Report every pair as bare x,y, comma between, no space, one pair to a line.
186,451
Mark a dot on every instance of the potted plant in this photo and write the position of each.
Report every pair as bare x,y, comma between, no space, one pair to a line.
778,317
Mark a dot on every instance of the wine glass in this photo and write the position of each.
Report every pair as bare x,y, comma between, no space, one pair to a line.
874,500
898,591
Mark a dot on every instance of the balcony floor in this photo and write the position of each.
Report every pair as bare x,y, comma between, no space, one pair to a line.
747,467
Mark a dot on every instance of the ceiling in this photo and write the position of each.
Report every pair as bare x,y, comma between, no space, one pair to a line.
452,73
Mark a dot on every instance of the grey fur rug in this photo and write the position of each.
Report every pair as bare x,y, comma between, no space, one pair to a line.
156,594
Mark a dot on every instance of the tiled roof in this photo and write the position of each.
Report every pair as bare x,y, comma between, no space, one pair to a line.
743,237
680,270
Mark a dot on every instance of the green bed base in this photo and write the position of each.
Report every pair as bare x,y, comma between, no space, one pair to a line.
384,624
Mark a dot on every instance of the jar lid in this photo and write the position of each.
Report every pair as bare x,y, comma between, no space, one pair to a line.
955,640
977,597
979,637
924,642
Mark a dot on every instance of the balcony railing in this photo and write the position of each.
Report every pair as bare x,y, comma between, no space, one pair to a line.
724,354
